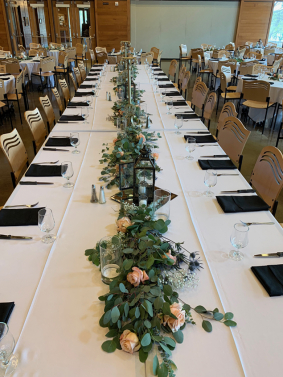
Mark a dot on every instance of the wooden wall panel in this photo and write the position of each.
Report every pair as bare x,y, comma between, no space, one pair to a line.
4,33
112,23
254,21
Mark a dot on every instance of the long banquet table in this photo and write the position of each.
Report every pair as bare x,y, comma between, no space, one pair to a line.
56,289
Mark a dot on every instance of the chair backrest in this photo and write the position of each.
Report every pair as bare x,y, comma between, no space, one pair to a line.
159,56
196,53
33,52
101,57
71,51
185,81
182,72
100,49
221,53
199,94
246,68
276,65
227,71
92,55
79,49
37,126
34,45
223,82
58,99
146,56
82,70
198,79
278,56
65,90
48,109
2,90
267,175
183,50
228,110
15,151
209,105
232,64
173,67
19,80
73,81
251,55
63,59
232,137
42,52
204,46
230,47
55,45
21,48
268,51
78,75
257,68
155,51
3,68
256,90
48,64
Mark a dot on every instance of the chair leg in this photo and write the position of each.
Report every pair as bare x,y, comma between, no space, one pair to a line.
19,109
278,137
217,103
274,208
208,124
48,127
240,162
276,115
264,120
272,121
13,179
34,147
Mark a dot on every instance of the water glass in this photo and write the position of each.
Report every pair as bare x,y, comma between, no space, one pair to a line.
110,258
191,146
46,223
178,123
67,172
94,90
239,239
210,180
89,100
8,361
162,94
75,142
169,106
162,204
85,113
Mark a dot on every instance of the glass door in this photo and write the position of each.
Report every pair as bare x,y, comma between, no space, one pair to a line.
62,14
84,24
39,23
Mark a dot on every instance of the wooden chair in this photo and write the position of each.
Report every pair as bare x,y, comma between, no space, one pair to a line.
3,101
71,52
15,153
101,57
267,176
232,138
55,45
42,52
228,110
58,99
3,68
32,52
242,52
13,67
92,57
82,70
78,76
155,51
195,57
34,45
268,51
46,70
280,128
256,96
80,52
209,107
225,93
204,46
260,68
182,72
183,55
62,68
65,91
246,68
37,128
172,69
73,81
49,112
230,47
146,56
199,94
204,71
185,84
159,56
221,53
15,97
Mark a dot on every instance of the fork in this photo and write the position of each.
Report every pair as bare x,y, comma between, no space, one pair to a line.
208,145
42,163
218,175
248,224
23,205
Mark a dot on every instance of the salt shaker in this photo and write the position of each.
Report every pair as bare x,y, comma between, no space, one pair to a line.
102,199
107,96
93,198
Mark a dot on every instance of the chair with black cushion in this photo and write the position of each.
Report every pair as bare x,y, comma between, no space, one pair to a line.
225,93
46,71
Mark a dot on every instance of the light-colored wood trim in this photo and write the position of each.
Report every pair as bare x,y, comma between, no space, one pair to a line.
129,19
51,18
8,39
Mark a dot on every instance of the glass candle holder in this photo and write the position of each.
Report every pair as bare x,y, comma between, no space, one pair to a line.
142,200
110,258
162,204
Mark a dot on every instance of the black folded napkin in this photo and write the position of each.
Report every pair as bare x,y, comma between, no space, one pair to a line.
58,142
83,94
271,278
5,78
249,75
163,79
97,65
214,59
271,83
173,94
19,217
202,139
78,104
248,78
157,70
216,164
44,171
179,103
71,118
93,74
234,203
91,79
6,309
166,86
187,116
85,86
159,74
5,74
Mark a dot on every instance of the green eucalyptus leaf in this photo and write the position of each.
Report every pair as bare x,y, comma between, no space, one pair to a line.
155,365
123,288
107,317
200,309
165,348
230,323
142,355
170,341
206,325
158,303
128,250
137,312
178,336
127,264
167,289
218,316
148,307
156,291
126,309
186,307
146,340
89,252
147,324
162,371
111,333
109,346
229,315
115,314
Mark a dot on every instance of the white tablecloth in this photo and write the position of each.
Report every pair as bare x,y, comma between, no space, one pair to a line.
54,53
9,85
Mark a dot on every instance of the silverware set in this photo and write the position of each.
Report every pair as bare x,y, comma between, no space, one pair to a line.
23,205
46,163
255,223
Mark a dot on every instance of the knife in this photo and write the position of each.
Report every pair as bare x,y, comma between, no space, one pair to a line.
35,183
55,149
248,191
215,155
9,237
199,132
272,255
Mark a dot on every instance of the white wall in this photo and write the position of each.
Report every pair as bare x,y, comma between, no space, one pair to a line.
167,24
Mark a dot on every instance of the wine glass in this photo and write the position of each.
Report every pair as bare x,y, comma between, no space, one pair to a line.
46,223
75,141
85,113
280,75
67,172
169,106
8,361
89,101
191,146
162,94
178,123
94,90
210,180
239,239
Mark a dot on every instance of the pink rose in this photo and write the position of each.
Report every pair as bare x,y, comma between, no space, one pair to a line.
122,224
175,324
155,156
129,342
137,276
141,136
115,140
170,256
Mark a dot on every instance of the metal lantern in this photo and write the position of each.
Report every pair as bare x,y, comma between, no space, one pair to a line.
144,176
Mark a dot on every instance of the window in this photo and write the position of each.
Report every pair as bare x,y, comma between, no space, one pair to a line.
276,27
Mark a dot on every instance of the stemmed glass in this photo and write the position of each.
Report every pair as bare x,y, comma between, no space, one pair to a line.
8,361
75,141
178,123
89,101
169,106
280,75
67,172
46,223
210,180
191,146
85,113
239,239
162,94
94,90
